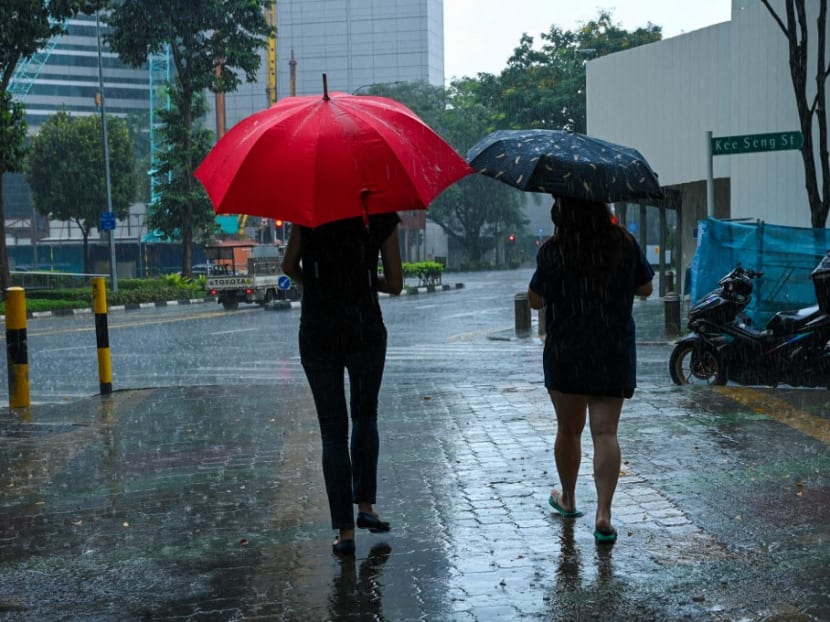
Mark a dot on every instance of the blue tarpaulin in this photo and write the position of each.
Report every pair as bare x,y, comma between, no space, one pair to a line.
785,255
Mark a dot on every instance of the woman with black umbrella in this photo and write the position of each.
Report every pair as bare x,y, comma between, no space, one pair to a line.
586,277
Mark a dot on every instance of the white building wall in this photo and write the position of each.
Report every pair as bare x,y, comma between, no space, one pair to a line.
661,99
768,185
732,79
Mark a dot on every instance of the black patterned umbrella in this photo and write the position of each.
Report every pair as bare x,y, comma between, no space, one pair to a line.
565,164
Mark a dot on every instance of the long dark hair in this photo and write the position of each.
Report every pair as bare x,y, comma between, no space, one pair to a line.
587,240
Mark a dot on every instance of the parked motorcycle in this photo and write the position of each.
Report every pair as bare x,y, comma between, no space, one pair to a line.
793,348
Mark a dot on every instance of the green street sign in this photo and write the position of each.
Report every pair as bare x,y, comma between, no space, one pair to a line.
752,143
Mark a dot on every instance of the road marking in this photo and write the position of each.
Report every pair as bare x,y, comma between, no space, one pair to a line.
129,323
477,333
238,330
70,349
780,410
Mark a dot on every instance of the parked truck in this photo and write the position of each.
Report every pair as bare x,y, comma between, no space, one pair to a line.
246,272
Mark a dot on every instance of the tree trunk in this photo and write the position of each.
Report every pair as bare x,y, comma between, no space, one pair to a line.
819,211
187,224
5,277
796,30
87,262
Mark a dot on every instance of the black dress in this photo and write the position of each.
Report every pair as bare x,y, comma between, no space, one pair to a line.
589,346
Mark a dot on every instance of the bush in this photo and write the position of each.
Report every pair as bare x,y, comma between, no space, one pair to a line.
427,272
135,291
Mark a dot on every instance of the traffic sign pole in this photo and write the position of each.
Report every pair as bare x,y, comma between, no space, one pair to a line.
710,178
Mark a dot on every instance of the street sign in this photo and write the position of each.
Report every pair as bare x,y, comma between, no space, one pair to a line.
753,143
107,221
284,283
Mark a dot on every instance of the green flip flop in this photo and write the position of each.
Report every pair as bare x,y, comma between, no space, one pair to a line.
553,499
605,537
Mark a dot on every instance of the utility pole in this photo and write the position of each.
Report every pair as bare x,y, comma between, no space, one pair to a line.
110,215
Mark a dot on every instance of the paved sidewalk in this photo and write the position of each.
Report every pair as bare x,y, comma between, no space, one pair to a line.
207,503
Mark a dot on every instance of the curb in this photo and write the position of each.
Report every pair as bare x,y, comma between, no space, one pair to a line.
280,305
133,306
285,305
428,289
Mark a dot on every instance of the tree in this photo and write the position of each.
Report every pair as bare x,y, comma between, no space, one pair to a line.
545,87
213,45
66,171
178,195
797,29
474,211
26,27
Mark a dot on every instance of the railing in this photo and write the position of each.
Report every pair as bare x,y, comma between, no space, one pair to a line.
34,280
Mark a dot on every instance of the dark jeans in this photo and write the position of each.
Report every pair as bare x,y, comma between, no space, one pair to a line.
349,469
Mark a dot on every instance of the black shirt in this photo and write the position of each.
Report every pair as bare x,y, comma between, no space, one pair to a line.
340,309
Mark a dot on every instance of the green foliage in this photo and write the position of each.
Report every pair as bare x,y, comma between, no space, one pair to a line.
12,134
25,27
427,272
199,34
203,36
183,208
474,210
28,25
65,169
544,87
130,291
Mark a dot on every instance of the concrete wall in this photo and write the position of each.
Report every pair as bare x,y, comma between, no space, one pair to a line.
662,98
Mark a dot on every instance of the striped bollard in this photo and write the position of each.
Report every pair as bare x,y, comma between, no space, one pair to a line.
99,307
17,352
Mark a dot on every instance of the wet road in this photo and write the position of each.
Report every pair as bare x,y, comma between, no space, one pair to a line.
200,498
203,344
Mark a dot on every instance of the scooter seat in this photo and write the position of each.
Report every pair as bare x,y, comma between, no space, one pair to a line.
788,322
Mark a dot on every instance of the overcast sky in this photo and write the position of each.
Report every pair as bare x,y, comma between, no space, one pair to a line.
480,35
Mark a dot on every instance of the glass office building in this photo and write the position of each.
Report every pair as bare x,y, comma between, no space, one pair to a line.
64,76
356,43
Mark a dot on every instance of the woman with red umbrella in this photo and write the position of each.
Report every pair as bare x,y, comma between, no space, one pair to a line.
339,167
342,331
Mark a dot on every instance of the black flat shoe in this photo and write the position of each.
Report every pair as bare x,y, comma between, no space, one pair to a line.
372,523
343,547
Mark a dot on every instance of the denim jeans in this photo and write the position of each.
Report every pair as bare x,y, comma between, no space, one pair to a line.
349,468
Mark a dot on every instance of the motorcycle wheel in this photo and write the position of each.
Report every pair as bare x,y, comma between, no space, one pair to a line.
691,365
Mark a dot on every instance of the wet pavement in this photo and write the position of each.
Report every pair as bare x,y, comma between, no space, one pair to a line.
207,502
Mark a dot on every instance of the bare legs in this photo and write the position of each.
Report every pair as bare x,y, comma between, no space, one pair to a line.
567,449
603,415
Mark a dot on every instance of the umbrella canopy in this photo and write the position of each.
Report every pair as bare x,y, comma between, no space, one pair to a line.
312,160
565,164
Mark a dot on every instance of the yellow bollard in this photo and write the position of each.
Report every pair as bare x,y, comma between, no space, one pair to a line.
17,353
99,307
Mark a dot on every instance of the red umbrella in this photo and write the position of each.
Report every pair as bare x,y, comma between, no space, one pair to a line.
311,160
